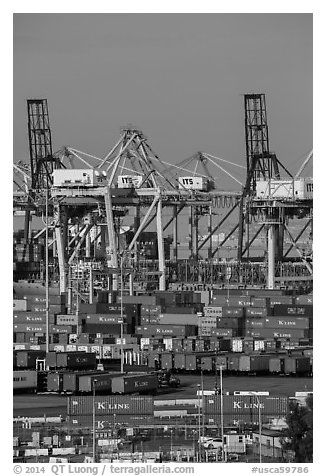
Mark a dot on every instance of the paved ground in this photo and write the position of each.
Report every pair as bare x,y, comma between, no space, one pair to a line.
54,405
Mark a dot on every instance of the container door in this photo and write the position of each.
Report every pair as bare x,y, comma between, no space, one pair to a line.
282,366
40,365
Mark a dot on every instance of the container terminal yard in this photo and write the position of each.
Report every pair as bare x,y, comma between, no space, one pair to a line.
155,317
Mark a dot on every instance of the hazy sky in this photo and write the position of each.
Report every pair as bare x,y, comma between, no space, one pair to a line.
178,77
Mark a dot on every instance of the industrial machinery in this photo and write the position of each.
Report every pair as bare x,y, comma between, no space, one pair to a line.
104,215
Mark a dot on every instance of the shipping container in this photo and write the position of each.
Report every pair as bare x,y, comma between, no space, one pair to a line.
105,328
255,323
134,384
192,362
206,321
287,322
276,365
208,363
245,404
68,320
167,360
102,383
237,345
106,422
76,360
259,345
24,380
296,365
277,300
55,382
20,305
224,332
239,420
51,360
254,363
38,307
29,318
256,312
167,330
304,299
182,309
229,322
86,308
213,311
290,334
299,311
27,358
259,302
110,405
221,361
41,298
232,311
224,344
57,309
141,299
233,363
178,344
154,360
105,319
62,329
179,319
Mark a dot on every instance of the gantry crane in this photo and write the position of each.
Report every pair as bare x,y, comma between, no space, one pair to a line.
132,179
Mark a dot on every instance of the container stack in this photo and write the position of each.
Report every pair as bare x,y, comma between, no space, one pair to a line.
29,320
110,411
162,329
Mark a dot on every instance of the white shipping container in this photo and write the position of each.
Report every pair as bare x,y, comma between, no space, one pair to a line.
167,341
76,177
129,181
259,345
144,342
37,452
303,188
65,320
210,311
20,305
63,451
192,183
237,345
207,321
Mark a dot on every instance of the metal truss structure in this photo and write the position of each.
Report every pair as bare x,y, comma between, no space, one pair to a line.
86,222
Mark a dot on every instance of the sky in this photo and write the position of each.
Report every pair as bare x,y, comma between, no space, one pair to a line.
180,78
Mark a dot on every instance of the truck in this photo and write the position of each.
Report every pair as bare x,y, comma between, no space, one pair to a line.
167,379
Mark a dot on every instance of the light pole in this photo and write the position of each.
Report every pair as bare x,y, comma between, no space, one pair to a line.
228,272
94,428
47,267
199,432
121,312
222,416
202,397
171,444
